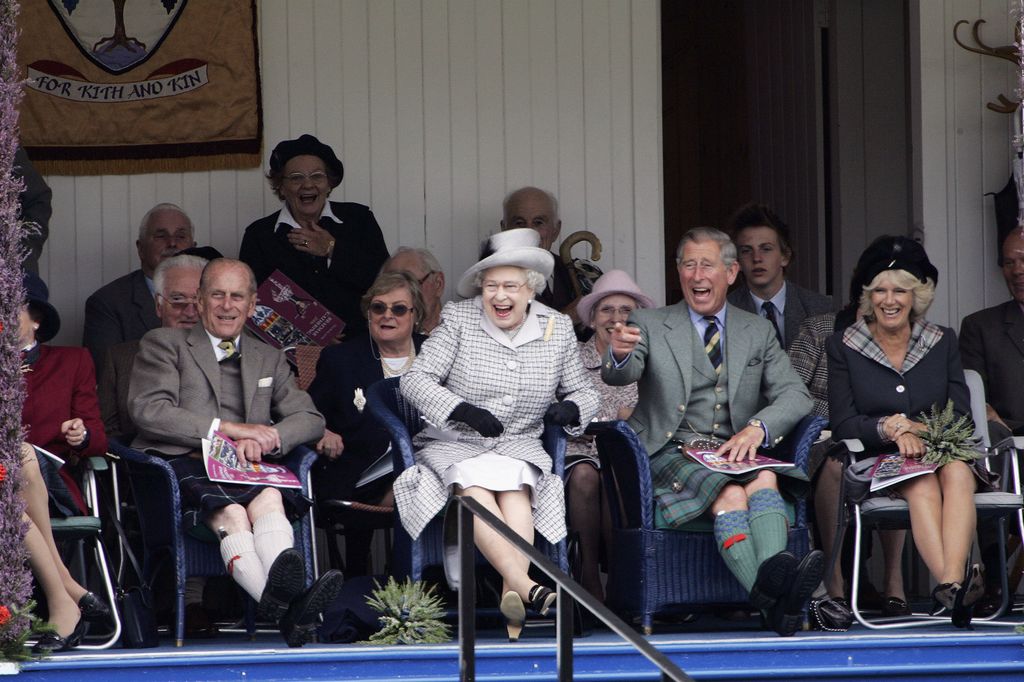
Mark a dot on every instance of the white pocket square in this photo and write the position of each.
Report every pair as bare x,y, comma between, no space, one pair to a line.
265,381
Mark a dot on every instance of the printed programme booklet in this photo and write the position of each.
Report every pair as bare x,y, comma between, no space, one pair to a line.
286,316
722,465
895,468
220,457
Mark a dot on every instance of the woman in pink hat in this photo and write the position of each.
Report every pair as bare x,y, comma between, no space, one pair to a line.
614,297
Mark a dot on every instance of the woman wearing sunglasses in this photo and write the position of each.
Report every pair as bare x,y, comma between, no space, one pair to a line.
332,249
393,309
498,367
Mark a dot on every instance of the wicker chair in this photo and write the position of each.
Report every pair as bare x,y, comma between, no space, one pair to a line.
662,571
158,501
411,557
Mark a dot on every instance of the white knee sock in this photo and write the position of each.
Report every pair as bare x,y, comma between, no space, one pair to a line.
272,534
243,563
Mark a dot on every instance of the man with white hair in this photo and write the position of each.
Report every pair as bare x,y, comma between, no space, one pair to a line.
425,269
538,209
124,309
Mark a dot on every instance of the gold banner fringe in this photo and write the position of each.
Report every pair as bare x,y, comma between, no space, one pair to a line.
134,166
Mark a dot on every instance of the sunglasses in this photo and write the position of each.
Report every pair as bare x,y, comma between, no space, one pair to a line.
397,309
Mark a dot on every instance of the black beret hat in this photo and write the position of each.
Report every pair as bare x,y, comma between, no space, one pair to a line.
207,252
891,253
37,295
307,144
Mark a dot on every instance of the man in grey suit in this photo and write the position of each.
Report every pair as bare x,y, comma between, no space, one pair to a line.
123,310
710,371
188,383
762,240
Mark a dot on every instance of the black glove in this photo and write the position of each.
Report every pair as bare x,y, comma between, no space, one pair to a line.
479,419
565,413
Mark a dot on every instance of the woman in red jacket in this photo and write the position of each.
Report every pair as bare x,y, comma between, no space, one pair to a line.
61,415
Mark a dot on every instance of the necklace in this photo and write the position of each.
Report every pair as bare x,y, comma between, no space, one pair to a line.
388,372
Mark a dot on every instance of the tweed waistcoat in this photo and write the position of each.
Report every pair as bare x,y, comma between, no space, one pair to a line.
232,406
707,412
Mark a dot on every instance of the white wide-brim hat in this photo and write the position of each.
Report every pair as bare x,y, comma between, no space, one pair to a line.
517,248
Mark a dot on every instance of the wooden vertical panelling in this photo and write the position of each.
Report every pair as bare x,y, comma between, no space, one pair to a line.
437,108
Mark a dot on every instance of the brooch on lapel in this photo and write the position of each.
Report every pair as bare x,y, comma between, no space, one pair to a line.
359,400
550,328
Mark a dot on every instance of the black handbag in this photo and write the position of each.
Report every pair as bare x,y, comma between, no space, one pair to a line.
135,604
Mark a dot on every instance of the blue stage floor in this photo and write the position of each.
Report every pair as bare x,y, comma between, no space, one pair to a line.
744,653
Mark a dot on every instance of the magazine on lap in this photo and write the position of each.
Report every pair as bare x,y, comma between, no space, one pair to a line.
220,457
895,468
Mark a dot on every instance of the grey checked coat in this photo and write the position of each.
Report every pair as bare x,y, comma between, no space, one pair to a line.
466,359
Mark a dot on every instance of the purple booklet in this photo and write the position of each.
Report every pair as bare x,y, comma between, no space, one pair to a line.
220,457
286,316
895,468
722,465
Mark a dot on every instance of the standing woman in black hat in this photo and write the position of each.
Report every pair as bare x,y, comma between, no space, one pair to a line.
331,249
886,370
61,414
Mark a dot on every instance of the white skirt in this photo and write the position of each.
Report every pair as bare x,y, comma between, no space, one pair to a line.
494,472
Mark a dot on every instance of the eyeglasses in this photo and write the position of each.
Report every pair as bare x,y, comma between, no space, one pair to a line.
424,277
509,287
316,177
179,302
397,309
610,310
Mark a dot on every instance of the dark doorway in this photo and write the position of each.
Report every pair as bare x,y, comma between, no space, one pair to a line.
742,111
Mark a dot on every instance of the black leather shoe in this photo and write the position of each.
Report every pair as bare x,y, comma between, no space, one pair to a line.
772,579
787,616
300,620
92,607
51,642
198,624
285,580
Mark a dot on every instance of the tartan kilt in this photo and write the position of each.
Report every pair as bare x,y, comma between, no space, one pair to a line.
684,489
200,496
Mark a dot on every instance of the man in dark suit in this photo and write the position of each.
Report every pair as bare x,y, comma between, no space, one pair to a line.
709,370
34,202
123,309
534,208
189,383
762,240
992,344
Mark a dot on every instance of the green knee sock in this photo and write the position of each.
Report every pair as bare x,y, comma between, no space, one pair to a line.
768,523
732,532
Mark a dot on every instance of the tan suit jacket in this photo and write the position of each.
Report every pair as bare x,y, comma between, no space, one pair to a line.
175,392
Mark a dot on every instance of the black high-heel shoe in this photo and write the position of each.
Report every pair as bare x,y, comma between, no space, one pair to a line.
514,610
968,594
541,599
51,642
92,607
943,597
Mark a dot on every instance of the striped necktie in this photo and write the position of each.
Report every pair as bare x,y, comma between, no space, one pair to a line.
713,343
770,312
230,352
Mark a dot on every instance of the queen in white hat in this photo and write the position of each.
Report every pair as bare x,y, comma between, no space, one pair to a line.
499,365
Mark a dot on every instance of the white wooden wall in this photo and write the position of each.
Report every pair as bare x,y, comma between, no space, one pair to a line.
961,150
437,108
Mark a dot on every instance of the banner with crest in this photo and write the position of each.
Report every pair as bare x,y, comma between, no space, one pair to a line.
137,86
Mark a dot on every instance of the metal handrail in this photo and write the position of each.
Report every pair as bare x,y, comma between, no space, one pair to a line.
569,592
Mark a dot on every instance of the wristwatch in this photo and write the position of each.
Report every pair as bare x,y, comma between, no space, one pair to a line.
756,422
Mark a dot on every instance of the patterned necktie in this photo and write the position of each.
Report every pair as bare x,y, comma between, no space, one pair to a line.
713,343
769,310
230,352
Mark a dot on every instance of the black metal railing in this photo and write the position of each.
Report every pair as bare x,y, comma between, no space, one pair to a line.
570,592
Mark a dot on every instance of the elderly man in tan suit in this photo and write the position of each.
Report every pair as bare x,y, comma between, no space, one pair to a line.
188,383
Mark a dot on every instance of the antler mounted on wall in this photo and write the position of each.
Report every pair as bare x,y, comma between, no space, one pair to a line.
1007,52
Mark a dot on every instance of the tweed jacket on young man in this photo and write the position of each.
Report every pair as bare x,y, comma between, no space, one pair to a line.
515,380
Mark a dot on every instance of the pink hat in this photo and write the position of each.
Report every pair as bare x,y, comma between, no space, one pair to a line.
611,283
